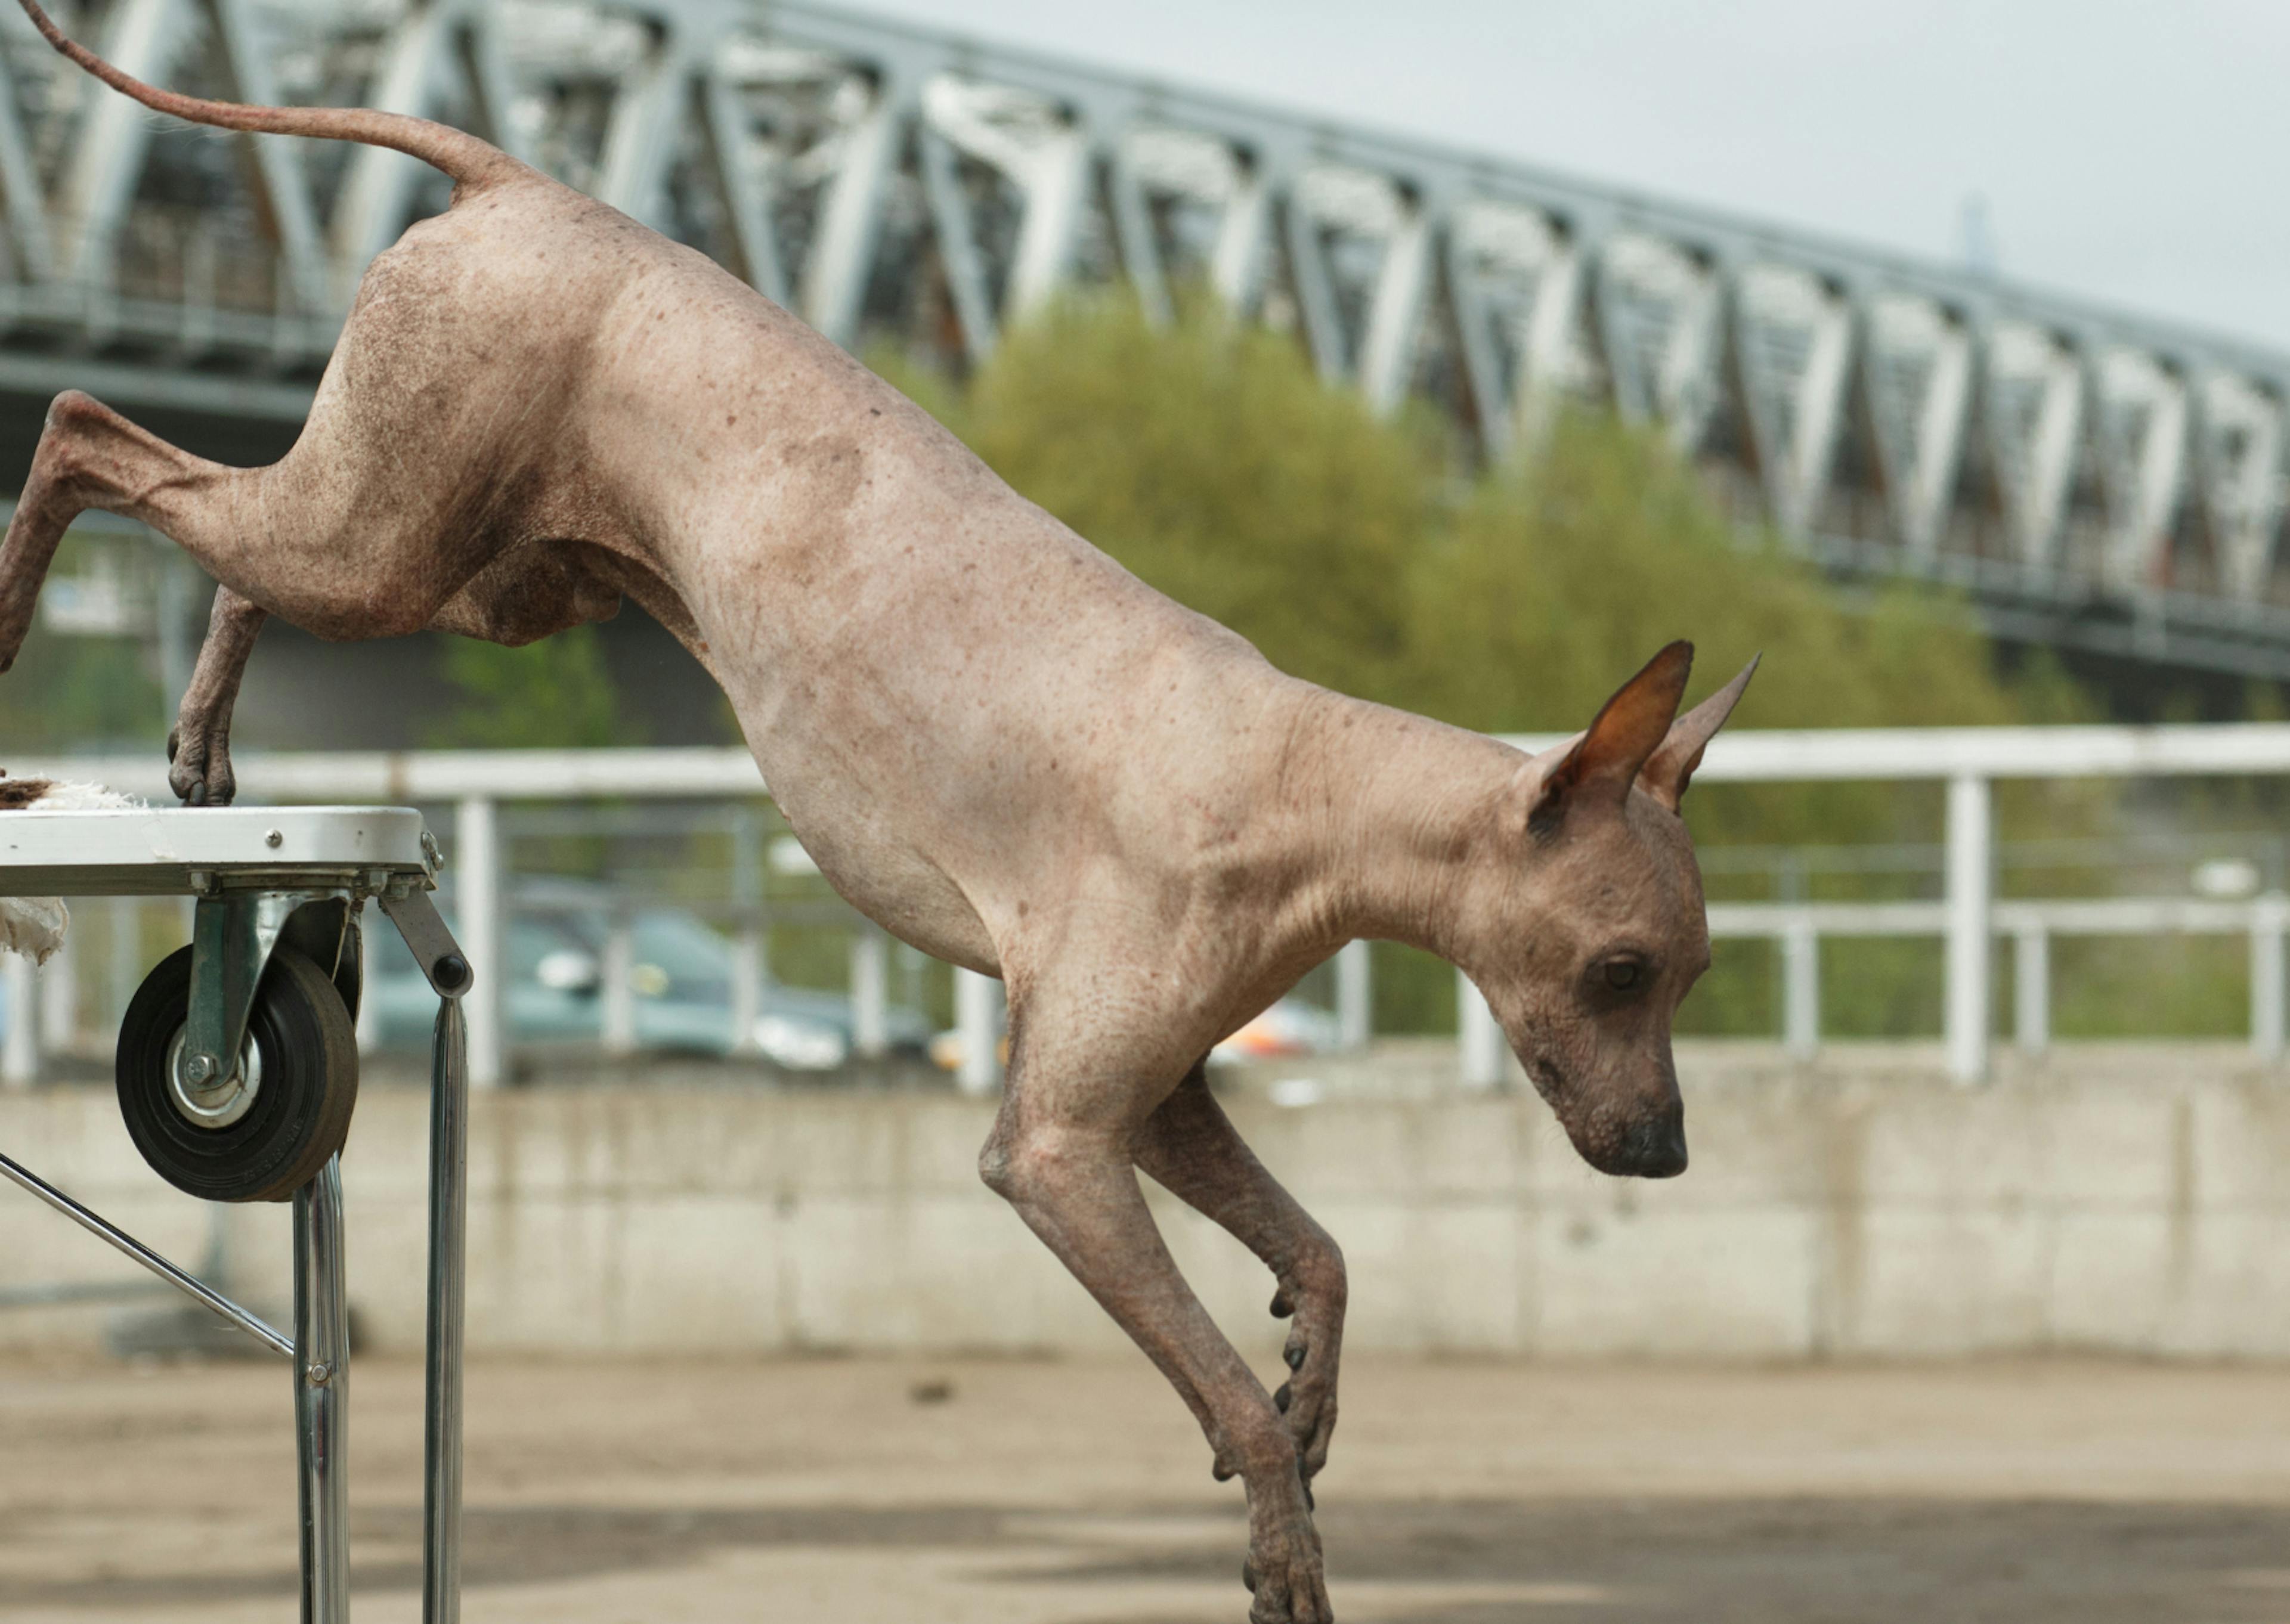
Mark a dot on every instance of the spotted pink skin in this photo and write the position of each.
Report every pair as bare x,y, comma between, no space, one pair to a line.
997,743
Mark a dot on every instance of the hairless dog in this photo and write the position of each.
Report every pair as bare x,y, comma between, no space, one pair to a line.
997,743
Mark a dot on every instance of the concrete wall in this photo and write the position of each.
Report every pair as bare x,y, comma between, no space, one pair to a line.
2124,1198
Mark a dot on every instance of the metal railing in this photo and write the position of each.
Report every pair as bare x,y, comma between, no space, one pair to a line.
1800,928
1968,918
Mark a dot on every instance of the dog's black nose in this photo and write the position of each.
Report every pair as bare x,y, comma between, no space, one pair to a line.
1654,1148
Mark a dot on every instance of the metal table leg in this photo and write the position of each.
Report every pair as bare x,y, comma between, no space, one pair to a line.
322,1395
449,1160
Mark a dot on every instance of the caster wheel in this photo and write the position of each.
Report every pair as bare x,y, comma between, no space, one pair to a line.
266,1130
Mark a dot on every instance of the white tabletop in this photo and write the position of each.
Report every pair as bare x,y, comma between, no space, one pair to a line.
153,851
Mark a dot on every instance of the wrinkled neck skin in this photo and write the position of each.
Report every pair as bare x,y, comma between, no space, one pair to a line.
1415,831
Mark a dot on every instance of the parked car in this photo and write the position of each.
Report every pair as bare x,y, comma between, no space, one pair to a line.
680,982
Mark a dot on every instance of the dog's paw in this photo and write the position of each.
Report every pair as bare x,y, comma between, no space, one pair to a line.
1284,1572
198,767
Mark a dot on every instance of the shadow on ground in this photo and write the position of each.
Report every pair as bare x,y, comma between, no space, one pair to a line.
1618,1561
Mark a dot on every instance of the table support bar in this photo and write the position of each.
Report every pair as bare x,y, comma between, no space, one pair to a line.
190,1284
449,1163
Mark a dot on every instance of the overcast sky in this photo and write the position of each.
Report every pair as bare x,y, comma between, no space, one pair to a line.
2138,154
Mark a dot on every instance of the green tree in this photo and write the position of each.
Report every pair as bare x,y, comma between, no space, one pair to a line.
1213,463
556,692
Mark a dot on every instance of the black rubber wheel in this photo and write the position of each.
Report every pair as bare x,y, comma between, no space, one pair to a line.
303,1052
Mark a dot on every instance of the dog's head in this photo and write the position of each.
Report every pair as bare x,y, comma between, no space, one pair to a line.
1585,951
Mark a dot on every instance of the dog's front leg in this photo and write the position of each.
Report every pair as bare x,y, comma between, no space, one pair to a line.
1061,1153
198,746
1190,1148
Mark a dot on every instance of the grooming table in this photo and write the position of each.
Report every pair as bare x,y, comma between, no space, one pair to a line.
236,1073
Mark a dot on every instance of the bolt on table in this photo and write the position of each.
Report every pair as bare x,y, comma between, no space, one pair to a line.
237,1073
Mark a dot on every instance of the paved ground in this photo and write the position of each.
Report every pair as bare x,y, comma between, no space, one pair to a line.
865,1491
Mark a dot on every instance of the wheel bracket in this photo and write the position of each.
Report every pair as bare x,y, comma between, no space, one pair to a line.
233,934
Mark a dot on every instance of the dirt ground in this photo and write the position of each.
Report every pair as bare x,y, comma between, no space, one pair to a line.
872,1492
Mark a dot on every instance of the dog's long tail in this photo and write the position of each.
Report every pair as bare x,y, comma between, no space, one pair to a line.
468,160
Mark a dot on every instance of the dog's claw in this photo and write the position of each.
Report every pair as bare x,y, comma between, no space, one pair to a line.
1295,1357
1283,1398
198,795
1248,1576
1281,1307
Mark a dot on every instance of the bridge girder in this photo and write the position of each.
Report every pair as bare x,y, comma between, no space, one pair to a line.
2118,480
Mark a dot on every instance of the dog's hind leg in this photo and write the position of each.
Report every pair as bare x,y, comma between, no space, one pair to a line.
331,539
306,539
88,456
198,746
1189,1146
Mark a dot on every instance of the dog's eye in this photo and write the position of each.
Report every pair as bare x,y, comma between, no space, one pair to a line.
1623,974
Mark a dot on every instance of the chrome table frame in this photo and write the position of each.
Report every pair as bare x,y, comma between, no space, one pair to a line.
261,874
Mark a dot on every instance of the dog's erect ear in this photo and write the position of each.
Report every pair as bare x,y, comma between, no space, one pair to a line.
1599,765
1669,769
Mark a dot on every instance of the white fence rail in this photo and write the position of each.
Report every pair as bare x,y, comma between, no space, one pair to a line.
1968,918
1800,929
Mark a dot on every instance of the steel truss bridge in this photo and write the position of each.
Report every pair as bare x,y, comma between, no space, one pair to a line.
2091,478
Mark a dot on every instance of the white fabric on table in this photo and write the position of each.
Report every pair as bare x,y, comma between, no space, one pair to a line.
34,926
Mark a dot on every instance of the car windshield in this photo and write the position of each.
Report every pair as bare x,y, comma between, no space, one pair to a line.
533,937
